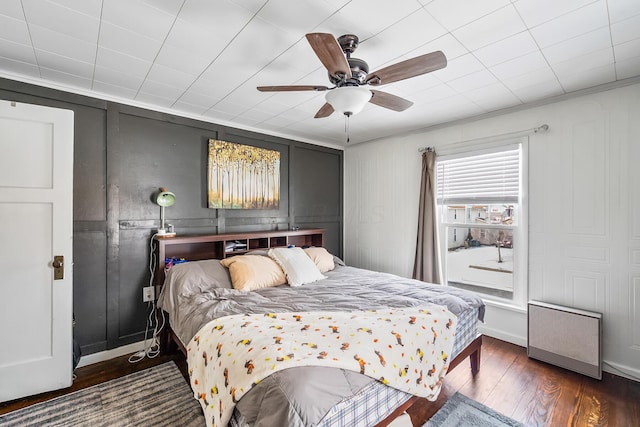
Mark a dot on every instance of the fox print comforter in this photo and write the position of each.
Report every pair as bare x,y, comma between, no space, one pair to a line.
406,348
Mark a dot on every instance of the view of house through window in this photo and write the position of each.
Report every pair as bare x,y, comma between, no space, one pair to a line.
479,213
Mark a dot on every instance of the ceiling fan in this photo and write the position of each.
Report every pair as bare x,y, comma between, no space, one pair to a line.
350,76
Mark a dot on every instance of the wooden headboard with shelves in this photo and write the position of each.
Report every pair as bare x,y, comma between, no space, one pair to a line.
219,246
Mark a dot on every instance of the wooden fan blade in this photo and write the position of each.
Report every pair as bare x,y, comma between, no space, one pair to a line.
325,111
410,68
291,88
392,102
330,54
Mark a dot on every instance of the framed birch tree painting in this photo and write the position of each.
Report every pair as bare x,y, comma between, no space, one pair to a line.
242,177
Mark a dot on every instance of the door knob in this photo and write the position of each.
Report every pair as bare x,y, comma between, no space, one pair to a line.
58,267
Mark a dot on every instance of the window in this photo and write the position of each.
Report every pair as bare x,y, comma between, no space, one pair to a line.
482,221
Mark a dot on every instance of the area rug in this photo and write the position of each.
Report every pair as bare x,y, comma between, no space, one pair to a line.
462,411
157,396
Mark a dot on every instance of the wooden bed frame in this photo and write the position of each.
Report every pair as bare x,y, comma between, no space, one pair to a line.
215,246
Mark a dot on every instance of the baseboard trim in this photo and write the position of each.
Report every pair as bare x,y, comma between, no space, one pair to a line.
102,356
504,336
627,372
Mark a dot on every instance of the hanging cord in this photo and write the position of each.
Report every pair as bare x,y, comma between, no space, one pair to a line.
346,125
151,345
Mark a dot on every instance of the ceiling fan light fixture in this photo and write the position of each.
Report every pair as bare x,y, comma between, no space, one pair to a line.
348,100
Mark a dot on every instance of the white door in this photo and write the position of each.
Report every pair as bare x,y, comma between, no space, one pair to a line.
36,225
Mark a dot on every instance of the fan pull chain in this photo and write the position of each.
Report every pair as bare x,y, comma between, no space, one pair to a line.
346,126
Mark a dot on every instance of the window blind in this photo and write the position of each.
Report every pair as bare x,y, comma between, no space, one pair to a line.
482,178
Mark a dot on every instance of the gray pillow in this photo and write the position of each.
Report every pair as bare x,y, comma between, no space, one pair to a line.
199,276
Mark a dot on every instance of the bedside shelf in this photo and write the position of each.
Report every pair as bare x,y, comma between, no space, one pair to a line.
215,246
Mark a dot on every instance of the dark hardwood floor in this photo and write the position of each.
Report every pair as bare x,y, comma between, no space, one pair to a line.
532,392
539,394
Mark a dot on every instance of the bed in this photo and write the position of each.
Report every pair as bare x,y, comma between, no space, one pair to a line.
199,293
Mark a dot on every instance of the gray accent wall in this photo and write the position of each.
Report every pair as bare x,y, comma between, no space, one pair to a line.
122,155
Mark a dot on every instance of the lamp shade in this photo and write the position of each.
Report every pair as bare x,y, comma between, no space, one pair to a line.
165,198
348,100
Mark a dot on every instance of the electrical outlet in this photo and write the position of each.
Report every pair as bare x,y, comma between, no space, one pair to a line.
148,293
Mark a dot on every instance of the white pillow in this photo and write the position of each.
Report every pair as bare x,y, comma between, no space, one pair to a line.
297,266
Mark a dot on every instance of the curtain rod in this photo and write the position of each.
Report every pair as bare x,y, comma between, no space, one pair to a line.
539,129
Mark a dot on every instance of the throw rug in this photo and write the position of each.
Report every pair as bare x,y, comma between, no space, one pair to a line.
462,411
153,397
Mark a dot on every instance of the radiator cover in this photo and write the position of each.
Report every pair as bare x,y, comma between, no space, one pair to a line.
565,337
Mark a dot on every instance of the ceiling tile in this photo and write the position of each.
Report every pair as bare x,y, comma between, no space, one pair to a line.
504,50
64,64
585,62
415,30
627,50
91,8
233,68
161,74
17,51
65,78
14,30
12,9
624,31
459,67
578,46
230,107
208,14
162,90
129,15
67,21
490,29
118,78
536,12
363,19
522,65
414,85
453,14
619,10
448,44
473,81
61,44
18,68
538,91
127,42
536,76
582,78
456,107
494,96
628,68
198,99
219,115
114,90
578,22
435,93
277,122
154,100
189,108
207,88
301,16
172,7
204,42
121,62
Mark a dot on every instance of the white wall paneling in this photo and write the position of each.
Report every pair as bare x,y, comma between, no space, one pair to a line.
584,211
